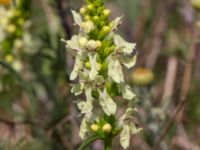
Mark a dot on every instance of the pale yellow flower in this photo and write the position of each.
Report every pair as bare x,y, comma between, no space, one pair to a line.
142,76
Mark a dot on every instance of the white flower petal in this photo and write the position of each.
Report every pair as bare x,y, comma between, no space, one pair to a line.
116,22
77,66
115,70
77,89
107,104
99,80
93,62
127,61
87,26
83,128
77,18
73,43
86,106
126,92
123,46
133,129
125,137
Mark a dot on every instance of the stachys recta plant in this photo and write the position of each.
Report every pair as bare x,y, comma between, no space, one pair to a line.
100,54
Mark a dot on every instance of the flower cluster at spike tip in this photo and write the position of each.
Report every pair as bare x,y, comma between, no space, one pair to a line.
100,54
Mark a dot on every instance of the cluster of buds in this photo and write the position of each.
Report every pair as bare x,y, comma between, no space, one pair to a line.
100,54
105,128
13,24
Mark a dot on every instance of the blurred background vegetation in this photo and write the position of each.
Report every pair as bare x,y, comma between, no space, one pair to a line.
37,111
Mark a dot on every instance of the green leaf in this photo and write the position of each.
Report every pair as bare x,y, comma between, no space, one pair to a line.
115,70
77,66
123,46
127,61
77,18
125,137
106,102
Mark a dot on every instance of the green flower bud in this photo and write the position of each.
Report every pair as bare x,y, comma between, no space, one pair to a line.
87,26
111,24
106,12
109,50
82,41
92,44
106,29
88,65
100,9
83,10
94,127
96,18
21,21
99,65
104,66
112,48
87,17
102,23
90,7
107,128
109,87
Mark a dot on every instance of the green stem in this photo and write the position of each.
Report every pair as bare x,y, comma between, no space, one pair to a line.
108,144
87,142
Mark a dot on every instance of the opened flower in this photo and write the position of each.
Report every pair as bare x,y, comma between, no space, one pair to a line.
100,55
